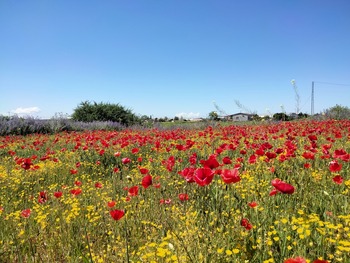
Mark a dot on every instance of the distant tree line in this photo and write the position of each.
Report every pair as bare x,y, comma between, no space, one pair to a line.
106,116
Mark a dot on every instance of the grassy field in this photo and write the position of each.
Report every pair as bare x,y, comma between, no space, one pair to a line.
247,193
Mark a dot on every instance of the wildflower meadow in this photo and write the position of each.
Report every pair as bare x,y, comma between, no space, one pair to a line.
276,192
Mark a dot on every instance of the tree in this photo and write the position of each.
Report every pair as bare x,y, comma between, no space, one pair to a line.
338,112
281,116
213,116
88,112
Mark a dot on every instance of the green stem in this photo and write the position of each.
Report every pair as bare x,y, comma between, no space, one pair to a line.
126,241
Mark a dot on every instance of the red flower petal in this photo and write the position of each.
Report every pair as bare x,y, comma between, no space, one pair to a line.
117,214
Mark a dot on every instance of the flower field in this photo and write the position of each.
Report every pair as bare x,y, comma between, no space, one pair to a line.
250,193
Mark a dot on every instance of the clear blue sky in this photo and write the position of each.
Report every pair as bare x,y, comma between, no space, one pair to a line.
167,58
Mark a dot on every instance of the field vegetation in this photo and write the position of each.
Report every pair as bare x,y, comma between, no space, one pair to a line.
275,192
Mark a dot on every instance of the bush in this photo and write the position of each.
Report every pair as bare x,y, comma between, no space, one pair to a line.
88,112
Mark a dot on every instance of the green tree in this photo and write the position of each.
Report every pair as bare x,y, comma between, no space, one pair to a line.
281,116
338,112
213,115
88,112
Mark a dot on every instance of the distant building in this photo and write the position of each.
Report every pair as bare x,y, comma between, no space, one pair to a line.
239,117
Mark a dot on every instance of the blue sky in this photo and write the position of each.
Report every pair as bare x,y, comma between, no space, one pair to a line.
173,58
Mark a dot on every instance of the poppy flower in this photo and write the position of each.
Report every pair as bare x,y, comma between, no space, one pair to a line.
187,173
295,260
111,204
165,201
338,179
78,183
211,162
183,197
57,194
203,176
143,170
157,185
126,160
283,187
146,181
42,197
226,160
76,191
26,213
320,261
98,185
253,204
230,176
117,214
73,171
309,155
245,223
334,166
193,159
274,191
252,159
133,191
115,169
135,150
27,163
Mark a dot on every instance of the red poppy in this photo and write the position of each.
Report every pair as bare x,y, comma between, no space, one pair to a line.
334,166
341,154
26,213
338,179
143,170
169,164
115,169
307,165
126,160
98,185
117,154
203,176
135,150
76,191
295,260
253,204
42,197
133,191
111,204
188,173
183,197
193,159
78,183
57,194
226,160
211,162
252,159
245,223
320,261
274,191
146,181
230,176
283,187
27,163
117,214
165,201
73,171
157,185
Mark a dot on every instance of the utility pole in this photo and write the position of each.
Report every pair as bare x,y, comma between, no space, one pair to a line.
312,98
